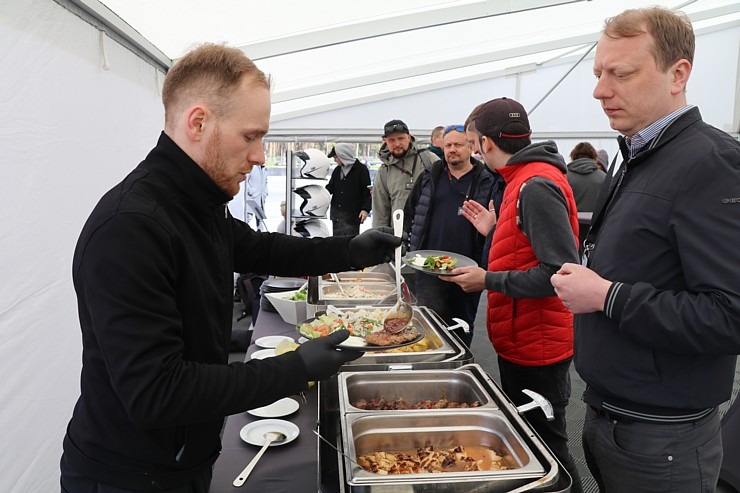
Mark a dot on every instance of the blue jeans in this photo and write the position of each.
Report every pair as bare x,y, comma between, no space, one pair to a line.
553,383
634,456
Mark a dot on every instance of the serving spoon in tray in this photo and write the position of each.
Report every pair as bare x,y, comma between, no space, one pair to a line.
398,318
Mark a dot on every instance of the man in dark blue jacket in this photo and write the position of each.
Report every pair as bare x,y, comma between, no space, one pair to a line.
153,272
434,222
657,326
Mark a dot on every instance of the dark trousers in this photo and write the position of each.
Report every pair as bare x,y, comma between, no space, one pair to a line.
449,301
345,227
553,383
630,456
74,482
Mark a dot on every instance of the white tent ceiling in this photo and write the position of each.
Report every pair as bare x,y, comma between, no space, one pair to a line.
336,54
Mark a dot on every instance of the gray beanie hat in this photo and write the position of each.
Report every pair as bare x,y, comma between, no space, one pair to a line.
345,152
603,158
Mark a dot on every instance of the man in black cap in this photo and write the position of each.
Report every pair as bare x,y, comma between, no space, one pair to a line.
536,232
402,164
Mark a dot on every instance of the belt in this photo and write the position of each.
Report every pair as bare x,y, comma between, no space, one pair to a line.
611,416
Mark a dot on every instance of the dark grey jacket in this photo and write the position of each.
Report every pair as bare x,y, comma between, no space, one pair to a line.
667,341
585,179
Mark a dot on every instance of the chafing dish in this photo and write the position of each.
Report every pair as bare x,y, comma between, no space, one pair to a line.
366,433
459,387
495,425
444,349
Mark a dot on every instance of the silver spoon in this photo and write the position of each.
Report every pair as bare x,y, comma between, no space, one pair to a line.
397,318
335,278
272,436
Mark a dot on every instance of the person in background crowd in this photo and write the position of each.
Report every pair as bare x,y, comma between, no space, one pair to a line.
281,224
602,160
437,142
153,274
537,231
658,305
256,196
433,216
348,186
584,176
402,164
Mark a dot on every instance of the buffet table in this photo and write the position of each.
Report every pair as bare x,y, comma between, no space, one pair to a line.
288,468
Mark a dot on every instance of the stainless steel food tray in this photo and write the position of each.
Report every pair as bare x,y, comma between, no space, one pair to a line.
461,386
366,433
372,293
445,349
322,290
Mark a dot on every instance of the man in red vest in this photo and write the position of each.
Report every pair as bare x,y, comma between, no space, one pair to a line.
537,231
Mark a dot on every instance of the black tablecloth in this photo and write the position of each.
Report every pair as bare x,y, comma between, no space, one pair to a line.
289,468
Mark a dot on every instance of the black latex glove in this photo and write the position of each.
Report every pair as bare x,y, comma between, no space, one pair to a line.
322,358
373,247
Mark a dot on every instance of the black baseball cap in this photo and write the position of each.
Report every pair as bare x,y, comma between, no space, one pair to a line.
503,118
395,126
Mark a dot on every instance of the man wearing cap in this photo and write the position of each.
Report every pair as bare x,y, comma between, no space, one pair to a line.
402,164
536,232
434,218
349,188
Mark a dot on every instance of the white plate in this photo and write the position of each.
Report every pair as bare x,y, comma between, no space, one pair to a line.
263,353
254,433
272,341
281,407
302,339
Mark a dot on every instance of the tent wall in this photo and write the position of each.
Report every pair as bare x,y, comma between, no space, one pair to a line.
70,130
569,109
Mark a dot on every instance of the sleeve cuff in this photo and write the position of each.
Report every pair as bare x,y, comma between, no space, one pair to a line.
616,298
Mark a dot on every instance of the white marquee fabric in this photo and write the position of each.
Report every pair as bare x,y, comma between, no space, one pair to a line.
79,110
69,131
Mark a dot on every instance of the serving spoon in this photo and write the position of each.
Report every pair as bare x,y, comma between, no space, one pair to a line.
272,436
398,318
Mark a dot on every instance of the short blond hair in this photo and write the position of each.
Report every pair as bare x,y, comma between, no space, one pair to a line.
208,73
671,31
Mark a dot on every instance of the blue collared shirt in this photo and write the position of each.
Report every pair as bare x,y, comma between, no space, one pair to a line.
638,141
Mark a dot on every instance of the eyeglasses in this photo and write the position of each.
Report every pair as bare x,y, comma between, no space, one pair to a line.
458,128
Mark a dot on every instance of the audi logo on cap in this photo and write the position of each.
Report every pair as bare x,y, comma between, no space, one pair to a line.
514,115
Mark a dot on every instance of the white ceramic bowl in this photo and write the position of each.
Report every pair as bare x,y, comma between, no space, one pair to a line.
292,312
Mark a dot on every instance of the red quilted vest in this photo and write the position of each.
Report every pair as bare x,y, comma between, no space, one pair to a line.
527,331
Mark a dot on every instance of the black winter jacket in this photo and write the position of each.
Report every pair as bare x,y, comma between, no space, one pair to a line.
153,271
666,343
419,204
349,195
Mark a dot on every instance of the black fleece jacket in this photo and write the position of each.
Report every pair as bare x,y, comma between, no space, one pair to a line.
153,271
667,233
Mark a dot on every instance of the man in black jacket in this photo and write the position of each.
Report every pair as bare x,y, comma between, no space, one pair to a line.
434,221
153,271
658,307
349,187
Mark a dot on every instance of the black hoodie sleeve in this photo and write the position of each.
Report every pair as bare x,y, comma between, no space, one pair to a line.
544,220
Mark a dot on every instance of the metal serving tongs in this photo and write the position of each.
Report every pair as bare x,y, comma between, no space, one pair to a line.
398,318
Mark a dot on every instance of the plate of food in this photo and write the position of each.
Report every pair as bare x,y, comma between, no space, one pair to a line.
366,329
437,262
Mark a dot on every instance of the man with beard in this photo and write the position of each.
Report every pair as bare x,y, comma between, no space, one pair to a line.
433,215
402,164
153,272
